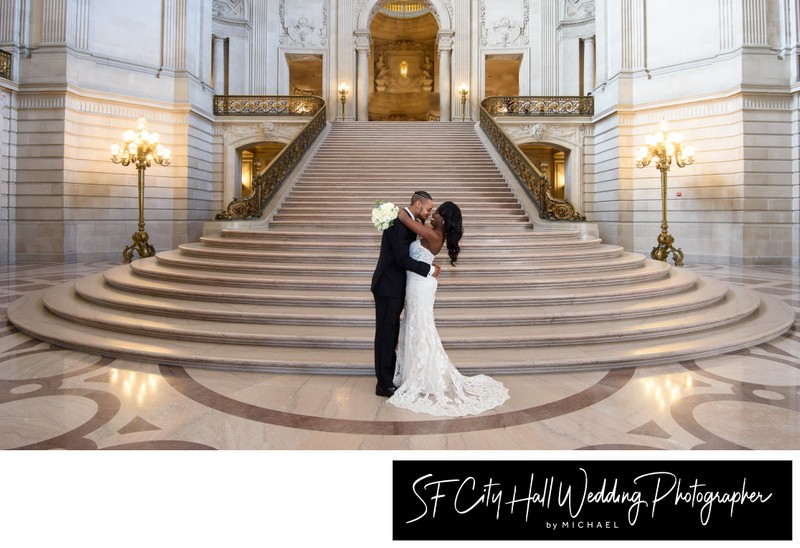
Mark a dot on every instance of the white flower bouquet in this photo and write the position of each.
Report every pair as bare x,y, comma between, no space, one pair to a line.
384,214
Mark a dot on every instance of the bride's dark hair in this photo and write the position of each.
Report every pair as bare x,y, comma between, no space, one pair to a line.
453,230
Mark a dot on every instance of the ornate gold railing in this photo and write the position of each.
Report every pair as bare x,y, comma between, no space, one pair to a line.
265,185
540,106
5,65
527,174
267,105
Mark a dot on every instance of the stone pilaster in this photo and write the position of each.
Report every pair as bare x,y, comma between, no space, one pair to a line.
174,38
634,38
445,40
54,22
362,45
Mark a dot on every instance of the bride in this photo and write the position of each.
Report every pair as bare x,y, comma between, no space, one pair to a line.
428,381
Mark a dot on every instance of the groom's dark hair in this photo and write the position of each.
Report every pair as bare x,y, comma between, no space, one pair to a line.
420,195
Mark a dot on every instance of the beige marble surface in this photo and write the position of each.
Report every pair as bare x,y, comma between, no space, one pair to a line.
54,398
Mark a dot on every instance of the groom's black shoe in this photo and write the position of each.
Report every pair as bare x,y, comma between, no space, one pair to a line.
385,392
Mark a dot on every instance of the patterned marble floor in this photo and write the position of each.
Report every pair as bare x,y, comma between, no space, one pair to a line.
53,398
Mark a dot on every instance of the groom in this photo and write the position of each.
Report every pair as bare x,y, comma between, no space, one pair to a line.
389,288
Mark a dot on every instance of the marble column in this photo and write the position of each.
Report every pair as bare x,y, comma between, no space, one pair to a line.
588,65
218,52
445,78
362,76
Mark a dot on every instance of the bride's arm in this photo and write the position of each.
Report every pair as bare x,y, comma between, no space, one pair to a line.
417,227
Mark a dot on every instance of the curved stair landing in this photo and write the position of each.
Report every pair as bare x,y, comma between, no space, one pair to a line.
295,297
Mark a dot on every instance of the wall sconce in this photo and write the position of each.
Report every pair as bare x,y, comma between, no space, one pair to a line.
343,90
403,69
665,146
463,90
141,149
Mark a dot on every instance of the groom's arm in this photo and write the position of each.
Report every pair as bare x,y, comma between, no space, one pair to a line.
400,252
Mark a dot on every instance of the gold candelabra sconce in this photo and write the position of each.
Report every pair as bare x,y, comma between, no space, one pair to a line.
463,89
344,89
666,147
403,69
141,149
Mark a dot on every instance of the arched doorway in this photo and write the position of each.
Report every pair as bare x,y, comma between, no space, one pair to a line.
403,76
366,61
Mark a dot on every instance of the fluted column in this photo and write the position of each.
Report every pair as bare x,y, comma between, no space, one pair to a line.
54,22
78,21
588,65
730,24
755,17
548,52
174,41
633,35
218,47
445,79
362,71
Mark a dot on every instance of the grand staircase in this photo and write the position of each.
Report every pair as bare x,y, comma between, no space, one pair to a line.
294,296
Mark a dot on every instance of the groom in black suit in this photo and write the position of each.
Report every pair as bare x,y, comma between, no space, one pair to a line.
389,288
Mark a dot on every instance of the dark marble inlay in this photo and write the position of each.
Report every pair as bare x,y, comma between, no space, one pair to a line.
162,445
618,447
651,428
138,424
610,384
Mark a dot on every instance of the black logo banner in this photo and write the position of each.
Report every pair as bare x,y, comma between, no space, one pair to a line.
592,500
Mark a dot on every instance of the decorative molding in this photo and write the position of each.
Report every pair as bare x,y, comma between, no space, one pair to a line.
767,103
504,32
445,40
231,11
362,40
578,11
540,132
432,6
233,132
303,31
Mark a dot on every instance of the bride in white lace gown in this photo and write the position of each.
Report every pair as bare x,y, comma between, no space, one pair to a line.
427,380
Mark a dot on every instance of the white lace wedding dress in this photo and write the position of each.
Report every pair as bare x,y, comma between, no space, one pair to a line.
427,380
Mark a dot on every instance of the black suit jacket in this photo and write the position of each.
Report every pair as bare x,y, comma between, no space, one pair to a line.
389,279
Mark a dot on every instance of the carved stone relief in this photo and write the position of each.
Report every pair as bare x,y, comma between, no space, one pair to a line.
304,27
259,131
403,66
230,10
578,10
504,31
545,132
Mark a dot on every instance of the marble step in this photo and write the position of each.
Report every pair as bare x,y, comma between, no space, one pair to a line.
362,237
653,279
360,312
250,267
767,322
372,244
345,200
62,302
359,255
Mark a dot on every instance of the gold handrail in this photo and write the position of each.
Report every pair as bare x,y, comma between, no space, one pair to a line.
265,185
581,105
526,173
5,65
